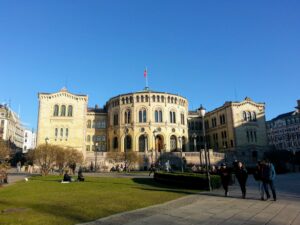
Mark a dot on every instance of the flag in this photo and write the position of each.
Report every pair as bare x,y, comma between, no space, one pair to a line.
145,73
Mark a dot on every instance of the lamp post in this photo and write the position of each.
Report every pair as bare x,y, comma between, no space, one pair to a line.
202,112
96,154
125,149
180,146
154,147
194,136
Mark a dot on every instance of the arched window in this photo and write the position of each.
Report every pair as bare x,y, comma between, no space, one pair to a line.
142,143
115,143
61,132
182,119
173,143
245,116
142,98
116,119
127,142
55,112
88,138
172,100
172,117
254,116
70,110
158,116
153,98
56,132
248,116
63,110
158,98
127,115
123,101
162,99
67,132
137,98
143,116
88,125
147,98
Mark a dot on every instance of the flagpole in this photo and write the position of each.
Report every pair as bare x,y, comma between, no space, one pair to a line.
146,78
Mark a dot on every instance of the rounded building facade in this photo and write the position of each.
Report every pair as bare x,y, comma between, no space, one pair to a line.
147,121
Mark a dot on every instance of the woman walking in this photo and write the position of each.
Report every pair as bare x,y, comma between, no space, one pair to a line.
242,175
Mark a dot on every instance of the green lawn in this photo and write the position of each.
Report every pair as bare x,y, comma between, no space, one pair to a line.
44,200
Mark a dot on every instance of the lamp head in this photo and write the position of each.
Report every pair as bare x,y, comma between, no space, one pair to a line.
201,111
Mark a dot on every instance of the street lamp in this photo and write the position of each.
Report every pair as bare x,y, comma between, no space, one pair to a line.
126,132
154,148
180,146
96,154
201,111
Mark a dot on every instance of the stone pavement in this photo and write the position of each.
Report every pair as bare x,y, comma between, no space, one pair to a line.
213,208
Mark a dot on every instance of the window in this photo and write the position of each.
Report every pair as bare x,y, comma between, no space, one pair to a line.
137,98
173,143
158,116
153,98
127,116
143,116
248,116
142,143
55,112
116,119
222,119
88,124
88,148
63,110
56,132
67,132
254,116
182,119
127,143
245,116
70,110
172,117
115,143
214,122
61,132
88,138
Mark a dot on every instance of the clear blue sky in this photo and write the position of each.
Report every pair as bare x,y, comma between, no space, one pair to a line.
207,51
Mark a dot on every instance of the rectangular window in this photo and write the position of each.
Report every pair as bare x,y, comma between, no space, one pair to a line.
88,148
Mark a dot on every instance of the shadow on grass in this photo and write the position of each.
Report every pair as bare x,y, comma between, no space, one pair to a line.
155,186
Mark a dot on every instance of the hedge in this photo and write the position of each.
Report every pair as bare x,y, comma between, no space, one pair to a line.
188,180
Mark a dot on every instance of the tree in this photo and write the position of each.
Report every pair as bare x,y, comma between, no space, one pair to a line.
131,158
45,156
49,157
4,156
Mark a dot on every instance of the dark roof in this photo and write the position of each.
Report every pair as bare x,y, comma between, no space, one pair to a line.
284,115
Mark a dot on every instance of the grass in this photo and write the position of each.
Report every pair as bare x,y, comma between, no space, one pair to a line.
44,200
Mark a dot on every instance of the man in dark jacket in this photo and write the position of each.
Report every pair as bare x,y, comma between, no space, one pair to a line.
268,177
225,177
242,176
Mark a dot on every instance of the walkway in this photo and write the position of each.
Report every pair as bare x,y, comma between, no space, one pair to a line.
213,208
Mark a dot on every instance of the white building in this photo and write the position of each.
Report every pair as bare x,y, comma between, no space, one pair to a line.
11,128
29,140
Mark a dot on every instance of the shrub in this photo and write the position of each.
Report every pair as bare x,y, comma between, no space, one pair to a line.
188,180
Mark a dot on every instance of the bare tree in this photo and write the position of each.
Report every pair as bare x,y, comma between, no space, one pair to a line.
131,158
45,156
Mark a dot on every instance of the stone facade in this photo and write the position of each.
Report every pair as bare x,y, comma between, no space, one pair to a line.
284,131
236,128
148,122
62,119
11,128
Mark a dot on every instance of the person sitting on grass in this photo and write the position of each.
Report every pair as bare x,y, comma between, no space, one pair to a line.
67,177
80,175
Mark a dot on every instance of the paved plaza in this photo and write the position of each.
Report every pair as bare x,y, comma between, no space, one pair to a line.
213,208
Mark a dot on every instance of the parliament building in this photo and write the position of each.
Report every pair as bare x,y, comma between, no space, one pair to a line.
147,122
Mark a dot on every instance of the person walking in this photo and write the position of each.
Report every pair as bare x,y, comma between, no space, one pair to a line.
242,176
225,177
258,177
268,178
152,168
